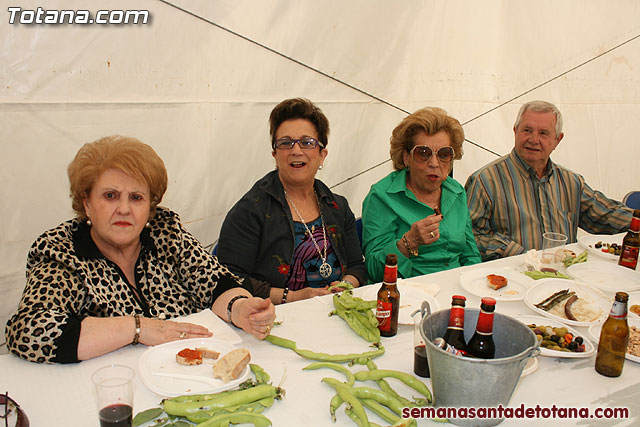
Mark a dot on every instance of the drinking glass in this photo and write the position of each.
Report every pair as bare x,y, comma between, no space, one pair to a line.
552,251
114,392
420,362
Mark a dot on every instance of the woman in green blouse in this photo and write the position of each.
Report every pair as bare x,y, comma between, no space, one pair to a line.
418,212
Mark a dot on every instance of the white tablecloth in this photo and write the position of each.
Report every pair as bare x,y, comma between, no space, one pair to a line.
62,395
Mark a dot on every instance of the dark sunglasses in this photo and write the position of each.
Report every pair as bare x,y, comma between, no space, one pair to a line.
423,153
11,405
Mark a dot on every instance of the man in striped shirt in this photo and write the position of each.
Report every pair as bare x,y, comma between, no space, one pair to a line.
515,199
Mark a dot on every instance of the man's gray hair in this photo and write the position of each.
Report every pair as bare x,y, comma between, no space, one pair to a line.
541,107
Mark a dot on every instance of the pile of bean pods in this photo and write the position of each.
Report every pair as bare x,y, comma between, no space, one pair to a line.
358,314
238,406
382,401
344,285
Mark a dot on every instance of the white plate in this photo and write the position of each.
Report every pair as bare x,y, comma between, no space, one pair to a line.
162,358
588,242
544,288
475,282
589,348
530,367
606,276
634,299
431,288
410,300
594,332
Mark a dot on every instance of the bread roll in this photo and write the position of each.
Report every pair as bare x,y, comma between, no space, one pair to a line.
189,357
496,282
231,365
208,354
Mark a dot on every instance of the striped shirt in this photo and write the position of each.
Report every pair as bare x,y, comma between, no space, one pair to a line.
510,207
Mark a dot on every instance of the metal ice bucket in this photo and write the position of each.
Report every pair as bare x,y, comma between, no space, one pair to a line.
468,382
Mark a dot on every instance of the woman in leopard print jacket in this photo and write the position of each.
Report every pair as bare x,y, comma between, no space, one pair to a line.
115,275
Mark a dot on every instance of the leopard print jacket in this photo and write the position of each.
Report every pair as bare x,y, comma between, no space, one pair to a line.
68,279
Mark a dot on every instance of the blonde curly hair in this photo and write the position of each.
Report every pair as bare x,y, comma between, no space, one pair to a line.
429,120
127,154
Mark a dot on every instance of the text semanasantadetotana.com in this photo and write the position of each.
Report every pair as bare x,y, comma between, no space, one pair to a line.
17,15
519,412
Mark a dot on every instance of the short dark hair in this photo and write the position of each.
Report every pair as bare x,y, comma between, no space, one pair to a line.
299,108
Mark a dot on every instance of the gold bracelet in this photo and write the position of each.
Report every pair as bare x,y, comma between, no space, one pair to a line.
412,252
136,337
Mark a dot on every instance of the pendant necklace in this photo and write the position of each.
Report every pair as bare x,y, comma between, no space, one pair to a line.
325,269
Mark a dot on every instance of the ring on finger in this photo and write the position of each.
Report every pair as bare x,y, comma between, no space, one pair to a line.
183,335
268,329
433,235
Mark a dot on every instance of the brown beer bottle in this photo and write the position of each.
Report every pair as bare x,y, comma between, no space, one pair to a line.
388,305
481,344
455,330
631,243
614,338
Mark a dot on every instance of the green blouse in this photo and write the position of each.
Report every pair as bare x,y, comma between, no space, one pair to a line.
388,212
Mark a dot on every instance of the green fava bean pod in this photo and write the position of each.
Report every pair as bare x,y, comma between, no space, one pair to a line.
344,391
202,416
340,358
336,367
386,387
336,402
408,379
222,400
257,420
380,410
324,357
386,399
282,342
261,376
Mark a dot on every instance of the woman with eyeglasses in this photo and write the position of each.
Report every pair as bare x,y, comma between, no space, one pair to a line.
290,234
418,212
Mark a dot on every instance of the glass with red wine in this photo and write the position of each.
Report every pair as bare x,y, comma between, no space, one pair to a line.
420,363
114,394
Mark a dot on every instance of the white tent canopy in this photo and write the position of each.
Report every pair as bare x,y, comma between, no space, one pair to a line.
199,80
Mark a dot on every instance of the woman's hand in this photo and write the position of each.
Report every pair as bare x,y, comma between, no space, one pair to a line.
350,279
307,293
254,315
424,232
101,335
156,331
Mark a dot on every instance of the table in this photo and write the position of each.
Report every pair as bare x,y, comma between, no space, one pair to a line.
62,395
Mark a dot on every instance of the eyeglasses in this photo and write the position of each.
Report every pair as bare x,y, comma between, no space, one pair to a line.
9,406
306,143
423,153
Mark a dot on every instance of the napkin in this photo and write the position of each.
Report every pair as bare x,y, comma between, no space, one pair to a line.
221,329
430,288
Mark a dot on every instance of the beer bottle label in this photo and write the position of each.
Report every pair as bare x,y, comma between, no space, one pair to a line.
629,257
383,313
485,323
618,310
390,274
456,317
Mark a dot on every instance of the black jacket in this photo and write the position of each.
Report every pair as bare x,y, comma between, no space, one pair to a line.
257,237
